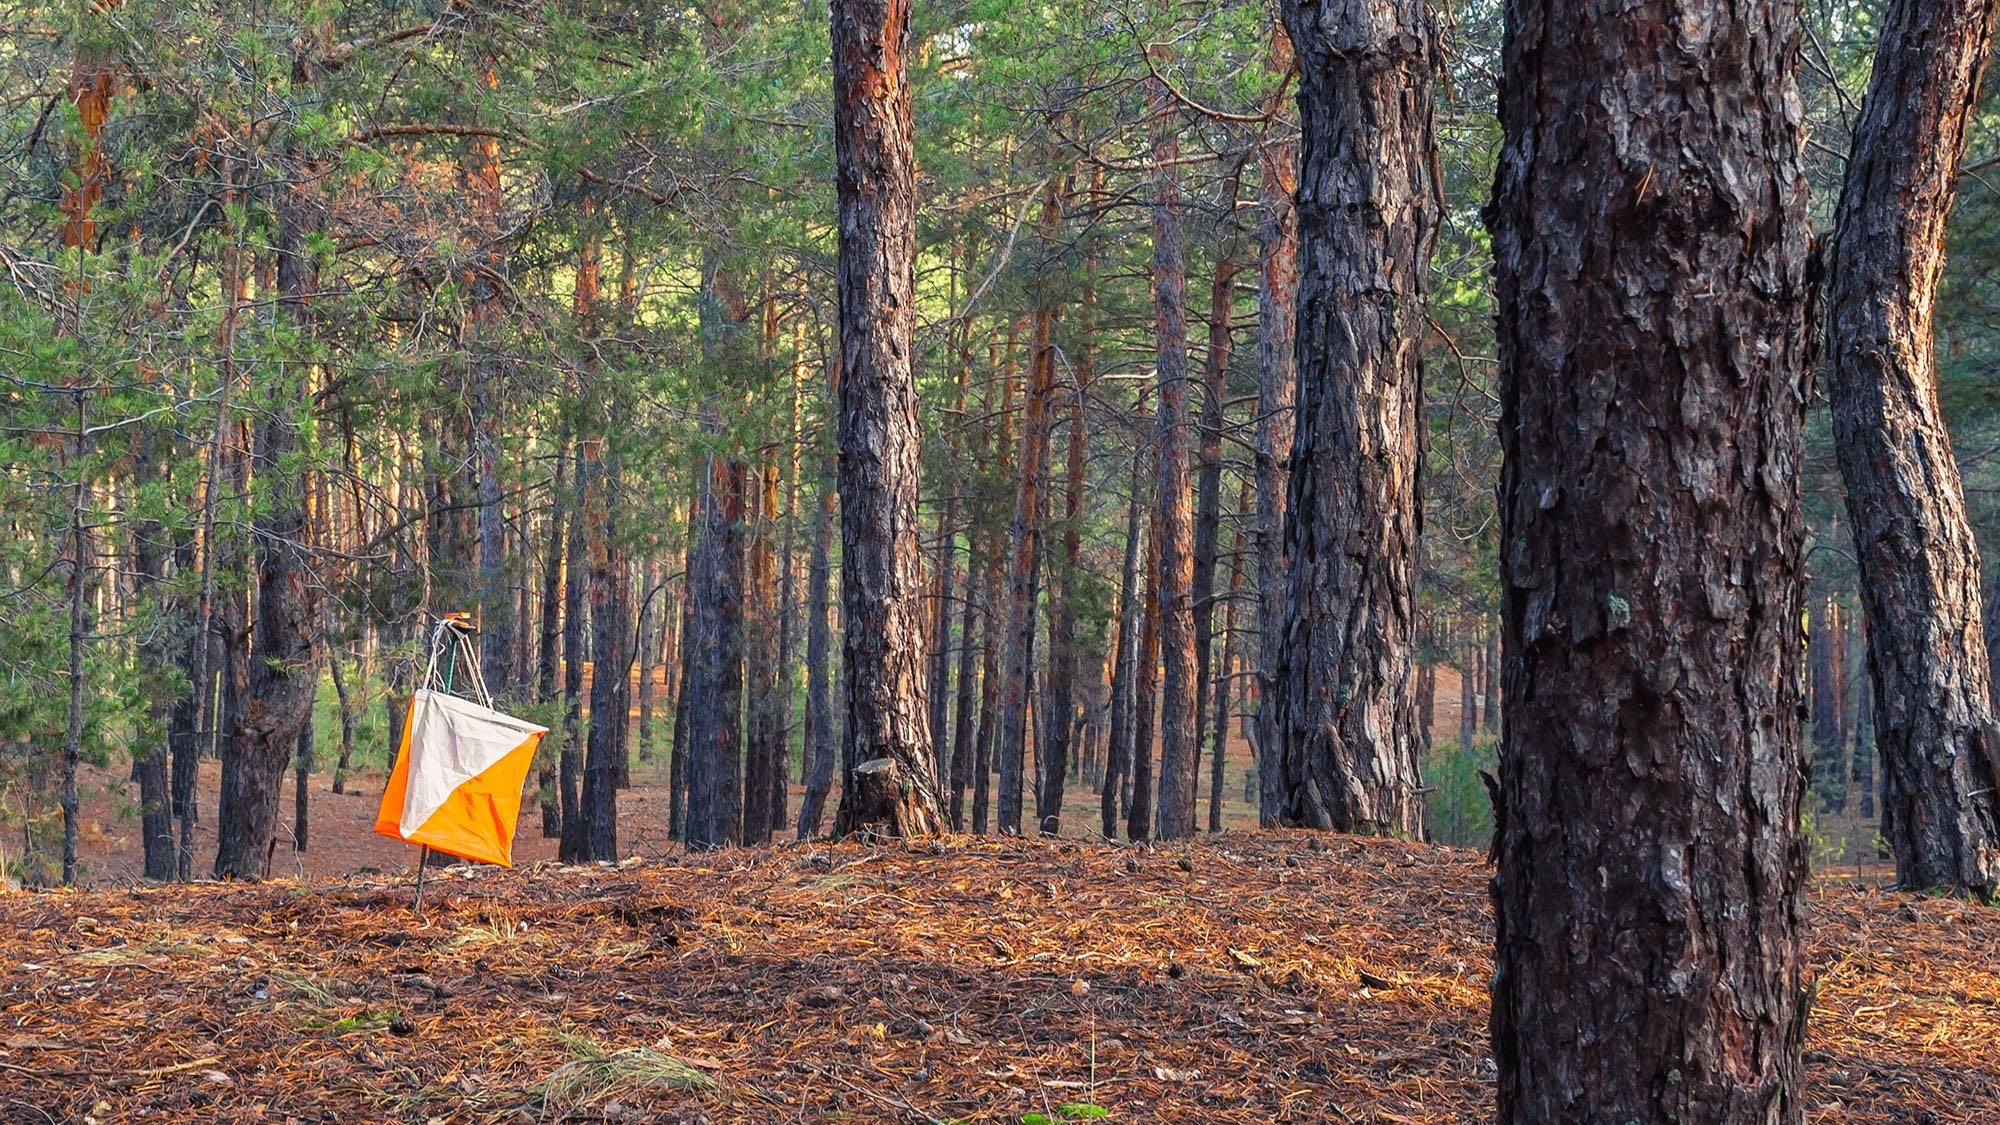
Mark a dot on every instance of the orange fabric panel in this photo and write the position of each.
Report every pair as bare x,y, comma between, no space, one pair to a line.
388,818
477,821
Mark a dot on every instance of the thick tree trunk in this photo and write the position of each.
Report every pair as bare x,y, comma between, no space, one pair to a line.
1918,560
1368,210
820,733
1173,580
1277,284
283,679
714,685
1651,237
880,581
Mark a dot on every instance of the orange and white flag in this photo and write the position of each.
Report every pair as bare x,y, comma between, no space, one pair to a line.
457,782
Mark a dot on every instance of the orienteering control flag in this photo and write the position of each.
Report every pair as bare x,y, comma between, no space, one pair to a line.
457,782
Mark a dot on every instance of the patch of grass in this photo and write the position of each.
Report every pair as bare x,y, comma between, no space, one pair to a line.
598,1076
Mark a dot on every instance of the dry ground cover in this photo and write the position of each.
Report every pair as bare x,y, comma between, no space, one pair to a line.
1253,978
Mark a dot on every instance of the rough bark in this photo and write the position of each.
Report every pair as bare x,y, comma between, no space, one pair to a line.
1277,285
1919,563
714,685
283,679
1368,211
880,580
1173,580
1651,241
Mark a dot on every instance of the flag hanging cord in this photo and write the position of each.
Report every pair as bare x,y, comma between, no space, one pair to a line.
452,638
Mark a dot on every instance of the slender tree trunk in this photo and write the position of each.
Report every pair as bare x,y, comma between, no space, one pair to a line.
1139,817
1218,759
1829,752
485,281
1052,760
1124,663
1368,215
1172,586
1277,284
79,637
820,733
765,736
1208,489
989,697
153,555
302,769
550,647
569,772
593,835
651,630
944,561
1918,560
881,587
1024,586
962,720
1653,295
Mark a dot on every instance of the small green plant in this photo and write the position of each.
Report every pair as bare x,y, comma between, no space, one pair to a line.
1066,1113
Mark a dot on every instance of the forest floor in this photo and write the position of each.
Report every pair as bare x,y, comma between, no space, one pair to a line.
1252,977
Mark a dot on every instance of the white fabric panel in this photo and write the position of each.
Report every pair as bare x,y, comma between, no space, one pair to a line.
453,740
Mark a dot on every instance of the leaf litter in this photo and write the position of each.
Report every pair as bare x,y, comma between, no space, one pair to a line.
1248,978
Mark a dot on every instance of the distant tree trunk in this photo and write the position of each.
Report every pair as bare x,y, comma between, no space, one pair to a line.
594,834
569,774
820,733
551,640
1208,494
1024,586
302,769
1052,759
1829,752
1219,742
943,563
1139,817
1172,587
989,696
1491,670
1468,698
881,587
677,792
962,722
1653,295
1124,663
1918,560
284,677
347,706
1277,282
1864,752
153,557
485,281
1368,217
650,632
764,741
714,685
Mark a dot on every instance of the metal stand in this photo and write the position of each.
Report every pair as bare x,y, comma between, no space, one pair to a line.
452,638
